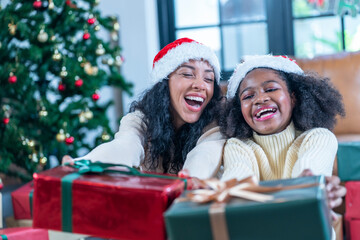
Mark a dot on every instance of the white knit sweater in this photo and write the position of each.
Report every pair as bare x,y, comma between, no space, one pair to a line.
282,155
127,148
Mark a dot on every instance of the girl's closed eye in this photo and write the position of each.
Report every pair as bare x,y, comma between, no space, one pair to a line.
247,96
271,89
187,75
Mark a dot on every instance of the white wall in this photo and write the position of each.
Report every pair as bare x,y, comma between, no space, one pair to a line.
138,39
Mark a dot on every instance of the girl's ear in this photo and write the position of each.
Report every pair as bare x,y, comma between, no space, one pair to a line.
293,99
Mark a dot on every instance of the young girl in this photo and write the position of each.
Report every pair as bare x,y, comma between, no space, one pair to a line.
279,120
174,124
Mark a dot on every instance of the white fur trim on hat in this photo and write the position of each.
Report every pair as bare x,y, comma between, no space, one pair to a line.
181,54
280,63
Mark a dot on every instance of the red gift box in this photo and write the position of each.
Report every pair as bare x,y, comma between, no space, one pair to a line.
352,228
21,233
352,199
112,205
21,200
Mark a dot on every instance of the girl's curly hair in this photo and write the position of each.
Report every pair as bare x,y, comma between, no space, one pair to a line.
317,104
161,139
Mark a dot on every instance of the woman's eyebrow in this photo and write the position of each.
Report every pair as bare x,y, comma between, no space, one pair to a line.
187,66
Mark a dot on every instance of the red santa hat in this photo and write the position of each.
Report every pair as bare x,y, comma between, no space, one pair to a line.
280,63
178,52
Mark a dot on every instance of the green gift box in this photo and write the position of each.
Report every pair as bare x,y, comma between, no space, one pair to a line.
348,160
293,214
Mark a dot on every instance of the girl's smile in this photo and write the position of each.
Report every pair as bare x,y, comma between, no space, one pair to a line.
266,103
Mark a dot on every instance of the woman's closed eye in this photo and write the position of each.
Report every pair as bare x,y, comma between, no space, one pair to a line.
247,96
187,75
209,79
271,89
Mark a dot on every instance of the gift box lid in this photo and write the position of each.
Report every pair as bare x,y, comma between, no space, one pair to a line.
348,156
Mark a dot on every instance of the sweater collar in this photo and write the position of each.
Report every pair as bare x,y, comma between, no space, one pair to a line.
286,136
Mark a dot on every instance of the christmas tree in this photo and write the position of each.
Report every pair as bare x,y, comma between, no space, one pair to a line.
54,60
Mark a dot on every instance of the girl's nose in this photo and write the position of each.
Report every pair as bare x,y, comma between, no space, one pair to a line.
261,98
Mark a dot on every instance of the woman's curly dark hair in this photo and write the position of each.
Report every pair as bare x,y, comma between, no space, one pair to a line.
161,139
317,104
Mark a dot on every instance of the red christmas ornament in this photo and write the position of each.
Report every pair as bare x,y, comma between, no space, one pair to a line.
68,2
61,87
69,140
79,82
12,79
86,36
37,4
6,120
91,21
95,97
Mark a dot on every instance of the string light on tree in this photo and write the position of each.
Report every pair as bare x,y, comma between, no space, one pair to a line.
43,113
51,5
105,136
119,60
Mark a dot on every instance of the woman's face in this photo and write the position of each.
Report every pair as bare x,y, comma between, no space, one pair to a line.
265,101
191,89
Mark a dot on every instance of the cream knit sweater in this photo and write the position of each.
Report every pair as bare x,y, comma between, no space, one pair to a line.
282,155
203,161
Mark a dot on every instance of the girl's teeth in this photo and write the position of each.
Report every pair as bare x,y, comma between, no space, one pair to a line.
199,99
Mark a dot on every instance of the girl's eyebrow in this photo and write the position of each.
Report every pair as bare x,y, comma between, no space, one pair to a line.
263,84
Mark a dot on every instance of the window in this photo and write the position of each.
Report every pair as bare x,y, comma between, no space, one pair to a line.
234,28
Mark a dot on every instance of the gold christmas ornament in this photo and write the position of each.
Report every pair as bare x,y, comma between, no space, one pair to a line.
31,143
51,5
118,61
63,72
90,70
56,55
42,36
97,27
116,26
88,114
0,45
110,62
114,36
100,50
12,28
82,118
43,160
105,136
60,137
43,112
53,38
96,2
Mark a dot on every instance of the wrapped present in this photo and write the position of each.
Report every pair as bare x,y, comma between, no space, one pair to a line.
352,199
284,209
22,201
348,156
21,233
101,201
352,228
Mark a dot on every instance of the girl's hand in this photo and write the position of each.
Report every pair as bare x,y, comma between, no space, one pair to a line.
335,191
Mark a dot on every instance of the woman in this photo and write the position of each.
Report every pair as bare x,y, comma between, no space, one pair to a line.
174,124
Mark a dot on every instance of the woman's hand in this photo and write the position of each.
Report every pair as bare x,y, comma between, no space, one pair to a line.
193,182
67,159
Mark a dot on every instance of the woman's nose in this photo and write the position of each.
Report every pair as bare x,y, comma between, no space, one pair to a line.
198,83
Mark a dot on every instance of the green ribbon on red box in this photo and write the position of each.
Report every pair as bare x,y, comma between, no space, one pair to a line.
4,237
86,166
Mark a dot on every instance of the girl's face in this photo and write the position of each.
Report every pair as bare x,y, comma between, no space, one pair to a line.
265,101
191,89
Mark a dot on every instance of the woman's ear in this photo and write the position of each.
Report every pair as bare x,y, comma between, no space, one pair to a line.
293,99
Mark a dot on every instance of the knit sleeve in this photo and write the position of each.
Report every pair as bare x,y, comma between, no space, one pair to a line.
239,160
204,160
317,152
128,145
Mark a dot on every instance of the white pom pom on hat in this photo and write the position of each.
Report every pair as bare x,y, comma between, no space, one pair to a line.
178,52
281,63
